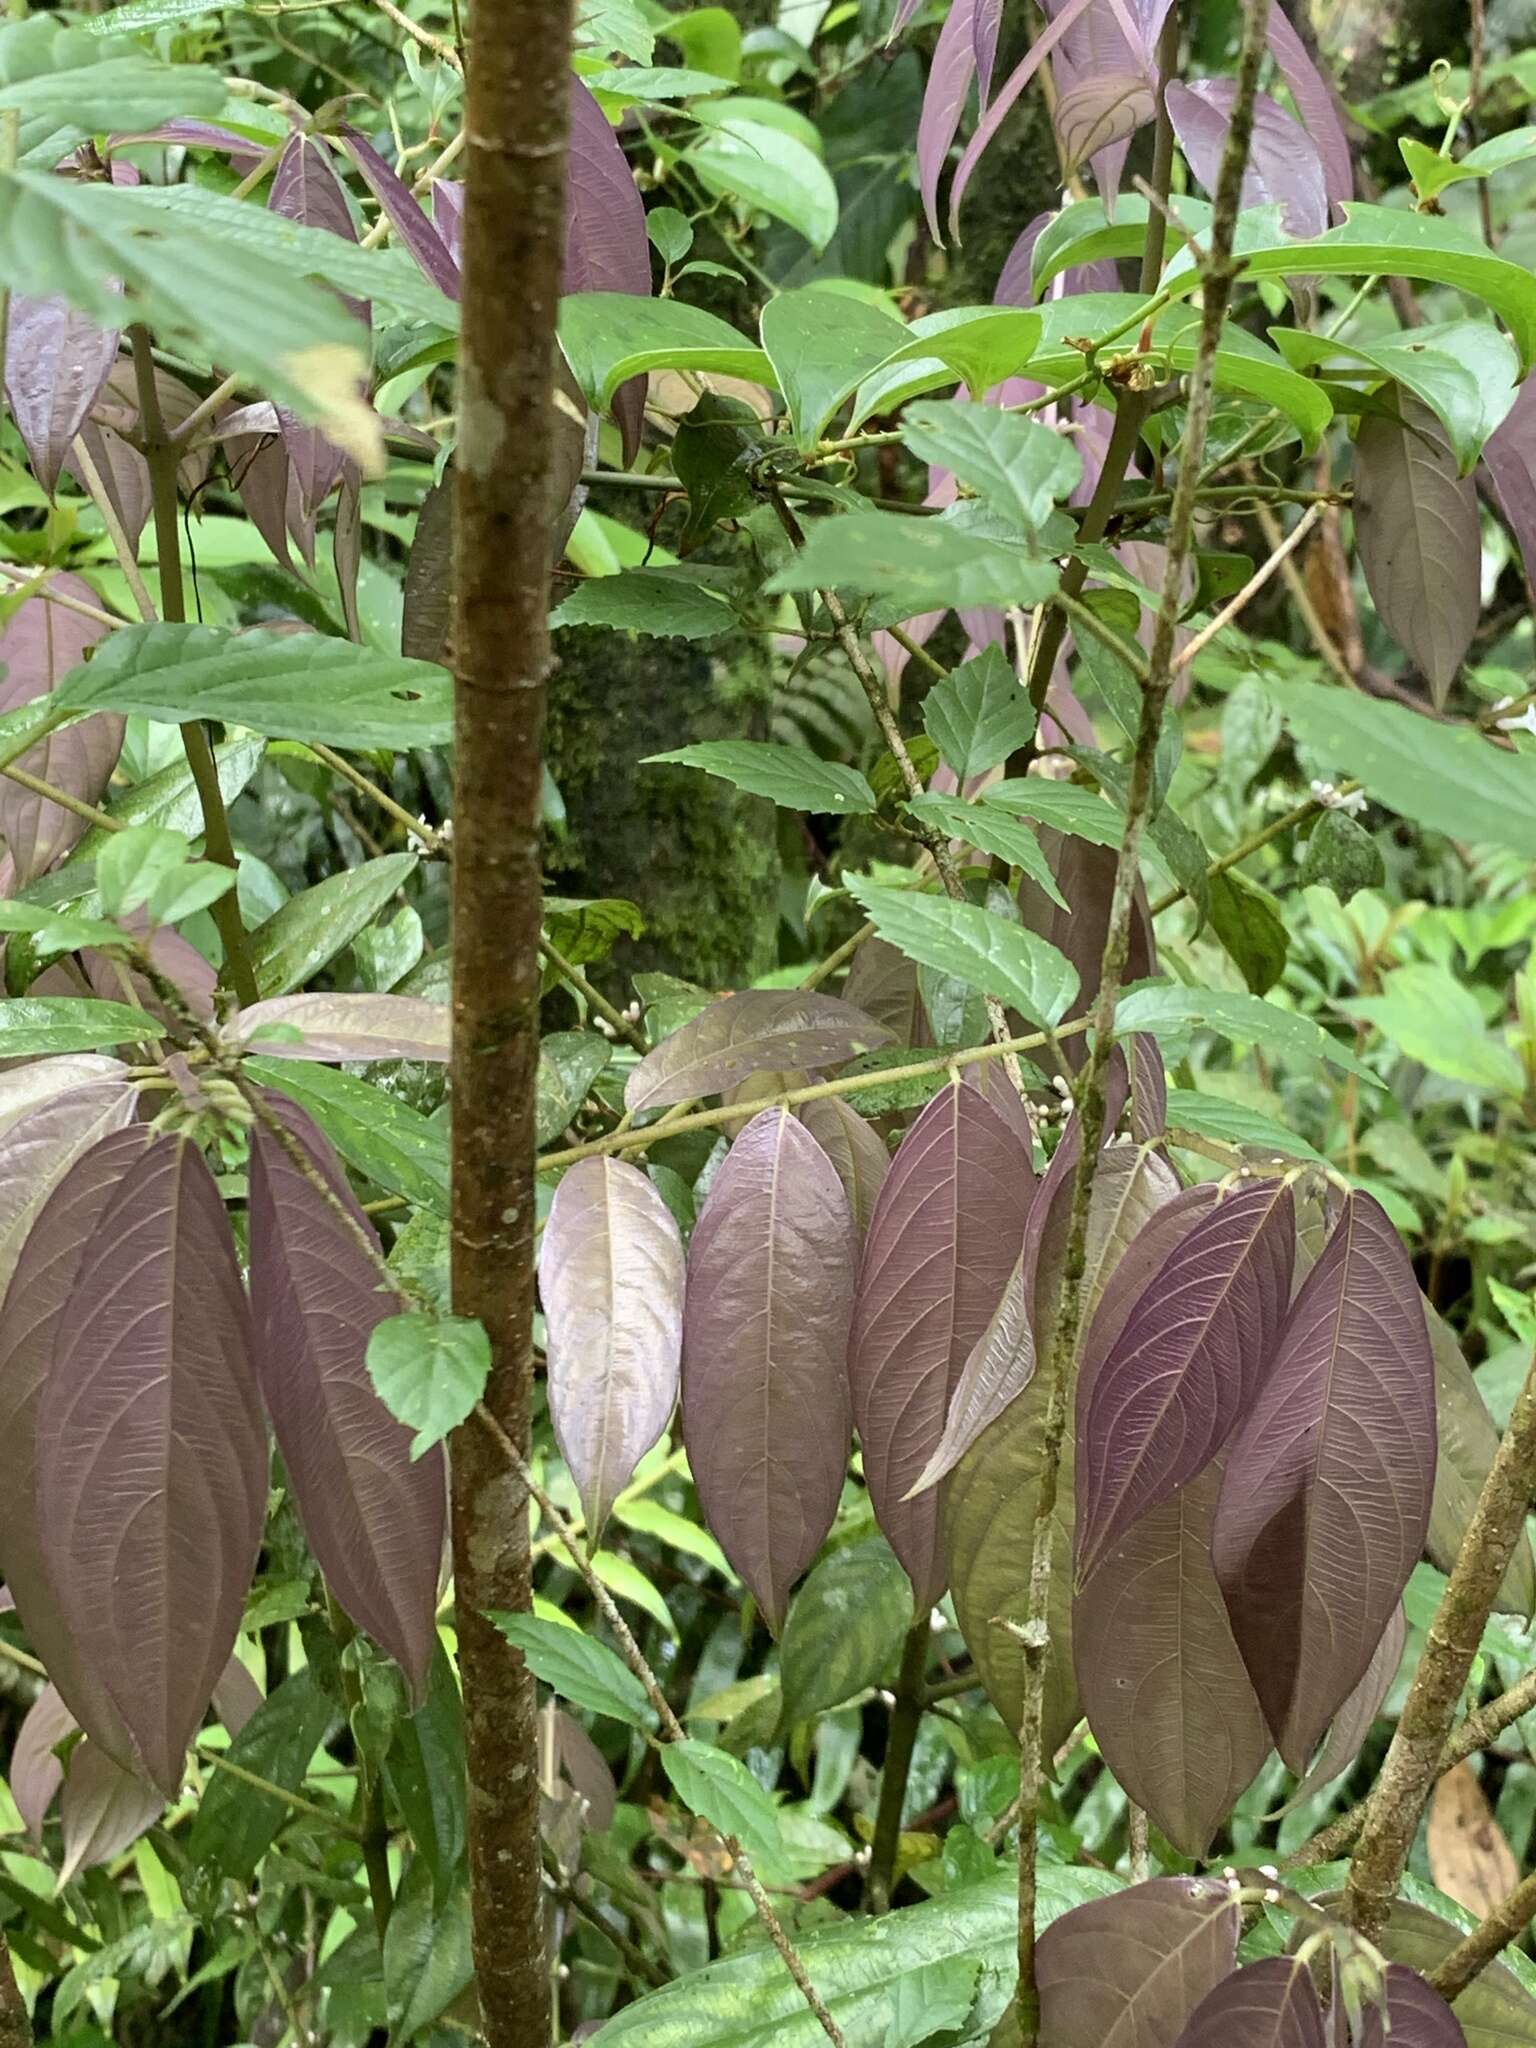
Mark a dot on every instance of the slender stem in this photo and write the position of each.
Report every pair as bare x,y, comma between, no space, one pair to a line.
1137,1842
162,456
625,1027
445,53
825,969
416,828
41,587
296,1800
122,547
1506,1923
373,1828
635,1960
63,797
1250,589
1301,598
906,1717
1085,616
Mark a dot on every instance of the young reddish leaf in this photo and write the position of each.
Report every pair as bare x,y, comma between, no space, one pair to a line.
152,1453
1509,460
950,75
263,476
1284,166
606,247
766,1415
1315,104
1101,109
103,1809
882,984
305,188
123,470
1352,1723
39,643
347,1027
1128,1970
1329,1478
43,1284
40,1147
997,112
56,361
1149,1089
372,1517
1272,2003
1416,2015
741,1035
404,212
946,1231
1186,1366
611,1281
35,1773
855,1148
1419,538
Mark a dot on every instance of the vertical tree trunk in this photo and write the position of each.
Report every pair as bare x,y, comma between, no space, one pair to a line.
515,122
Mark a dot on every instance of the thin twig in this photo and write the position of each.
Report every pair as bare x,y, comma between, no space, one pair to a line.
625,1027
417,828
66,799
1506,1923
445,53
1250,589
122,547
43,587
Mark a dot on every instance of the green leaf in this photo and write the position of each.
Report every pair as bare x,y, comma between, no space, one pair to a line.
134,16
820,343
609,337
429,1371
299,686
616,27
132,865
1448,778
1463,370
428,1961
52,932
792,777
1431,172
579,1668
1249,1020
977,346
985,826
585,929
773,172
297,940
53,77
1232,1123
978,946
845,1629
934,2000
723,1792
425,1768
656,601
929,564
1342,856
234,1824
1061,805
383,1138
978,714
669,233
747,2000
1083,233
569,1062
1016,466
1435,1020
629,85
1250,731
39,1024
1248,923
170,797
713,452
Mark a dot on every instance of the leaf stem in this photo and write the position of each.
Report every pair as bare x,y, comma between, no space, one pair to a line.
35,587
1250,589
906,1717
221,1762
1506,1923
625,1027
372,1830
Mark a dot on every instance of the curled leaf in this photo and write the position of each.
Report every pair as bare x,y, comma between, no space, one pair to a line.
56,361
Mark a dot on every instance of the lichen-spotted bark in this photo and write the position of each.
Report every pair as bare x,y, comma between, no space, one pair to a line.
515,125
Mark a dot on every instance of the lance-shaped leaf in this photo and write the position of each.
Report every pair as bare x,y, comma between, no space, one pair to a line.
950,75
56,361
1187,1364
1315,104
1416,2016
855,1148
40,1147
1329,1479
1468,1440
1352,1723
305,188
35,1773
1417,529
1129,1970
1509,458
40,643
744,1034
766,1417
1149,1089
404,212
346,1027
41,1287
103,1809
1284,165
946,1231
1272,2003
611,1281
152,1453
372,1516
606,248
1100,109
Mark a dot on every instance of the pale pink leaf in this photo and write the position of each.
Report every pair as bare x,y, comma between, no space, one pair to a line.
346,1027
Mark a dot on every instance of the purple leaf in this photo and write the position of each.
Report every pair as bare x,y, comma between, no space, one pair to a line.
1085,875
176,959
949,84
946,1231
152,1453
1468,1442
347,547
1095,111
41,1287
236,1696
263,476
40,1148
882,984
39,644
1417,2016
1509,457
606,247
1419,539
56,361
1353,1722
998,110
243,154
372,1516
1314,103
904,12
766,1416
855,1148
103,1809
347,1027
746,1034
305,188
611,1280
1186,1366
998,1092
986,22
123,470
404,212
448,215
1015,286
35,1773
1149,1089
1329,1479
1268,2004
1284,167
1126,1971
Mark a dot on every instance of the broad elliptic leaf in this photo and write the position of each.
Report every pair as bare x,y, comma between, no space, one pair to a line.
1329,1479
755,1031
102,1810
921,565
1418,532
152,1453
1250,1020
1268,2004
609,337
429,1371
41,1146
724,1792
855,1148
42,1287
821,344
978,946
372,1515
346,1027
763,167
946,1231
1127,1971
1468,1440
56,361
1353,1722
1416,2015
1187,1364
611,1282
382,1137
1284,166
845,1629
578,1668
766,1416
40,643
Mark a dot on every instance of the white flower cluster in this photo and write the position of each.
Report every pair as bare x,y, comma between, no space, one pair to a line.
1332,799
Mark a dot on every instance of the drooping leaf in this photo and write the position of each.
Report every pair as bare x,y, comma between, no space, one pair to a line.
41,1146
724,1792
235,1825
1284,165
418,234
56,362
821,344
347,1027
1131,1969
855,1148
1418,533
950,76
977,946
765,1341
947,1228
39,644
103,1808
1328,1484
579,1668
1315,103
844,1630
755,1031
152,1453
978,714
1468,1439
372,1515
305,188
1268,2004
1101,109
34,1773
1186,1366
611,1281
791,776
429,1371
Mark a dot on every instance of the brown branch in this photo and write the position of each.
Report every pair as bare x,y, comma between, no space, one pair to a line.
15,2027
906,1717
1506,1923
